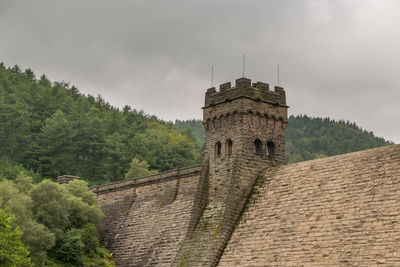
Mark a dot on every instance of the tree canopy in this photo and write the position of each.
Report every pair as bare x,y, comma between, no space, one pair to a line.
53,129
57,224
12,250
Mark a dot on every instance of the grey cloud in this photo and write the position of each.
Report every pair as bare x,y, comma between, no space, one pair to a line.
338,58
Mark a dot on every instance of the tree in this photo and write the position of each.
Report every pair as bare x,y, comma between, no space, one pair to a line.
36,237
79,189
14,127
116,161
90,239
12,250
60,207
93,141
44,81
56,151
71,249
165,148
50,207
58,223
138,169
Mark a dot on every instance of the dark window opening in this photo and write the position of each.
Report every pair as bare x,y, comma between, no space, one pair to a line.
218,149
258,147
229,145
270,149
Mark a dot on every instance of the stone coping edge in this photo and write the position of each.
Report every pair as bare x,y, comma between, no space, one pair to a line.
244,96
145,180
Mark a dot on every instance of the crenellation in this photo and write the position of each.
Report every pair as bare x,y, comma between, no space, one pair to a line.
243,88
261,86
279,90
243,82
225,86
211,91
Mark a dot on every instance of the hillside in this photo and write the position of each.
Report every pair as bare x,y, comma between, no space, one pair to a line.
309,138
53,129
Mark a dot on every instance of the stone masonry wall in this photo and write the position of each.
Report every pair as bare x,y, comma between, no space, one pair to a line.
146,219
337,211
233,118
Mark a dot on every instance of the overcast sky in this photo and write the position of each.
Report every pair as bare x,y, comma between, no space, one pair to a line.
337,58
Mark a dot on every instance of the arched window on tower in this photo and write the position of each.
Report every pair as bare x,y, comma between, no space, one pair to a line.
218,149
270,149
229,145
258,147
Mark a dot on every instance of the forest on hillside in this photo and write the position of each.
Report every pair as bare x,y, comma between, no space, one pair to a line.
51,129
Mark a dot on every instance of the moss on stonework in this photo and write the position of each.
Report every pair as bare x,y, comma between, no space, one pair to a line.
185,256
261,181
203,237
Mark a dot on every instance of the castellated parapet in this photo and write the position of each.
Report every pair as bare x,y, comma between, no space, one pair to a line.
258,91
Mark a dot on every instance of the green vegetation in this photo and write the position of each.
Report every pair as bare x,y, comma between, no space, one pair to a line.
12,250
309,138
56,225
52,129
192,126
138,169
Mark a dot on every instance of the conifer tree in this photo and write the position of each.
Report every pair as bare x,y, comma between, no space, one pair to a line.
56,147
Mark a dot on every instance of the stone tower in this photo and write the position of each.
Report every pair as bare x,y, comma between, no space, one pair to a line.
245,125
245,134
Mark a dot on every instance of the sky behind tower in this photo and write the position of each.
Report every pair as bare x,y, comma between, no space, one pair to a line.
338,58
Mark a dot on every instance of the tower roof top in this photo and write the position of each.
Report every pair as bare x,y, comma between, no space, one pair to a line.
258,91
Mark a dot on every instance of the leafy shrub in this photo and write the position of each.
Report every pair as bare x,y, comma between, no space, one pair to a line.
71,249
12,250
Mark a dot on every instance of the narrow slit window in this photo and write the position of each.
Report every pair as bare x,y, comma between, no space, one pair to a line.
229,145
270,149
258,147
218,149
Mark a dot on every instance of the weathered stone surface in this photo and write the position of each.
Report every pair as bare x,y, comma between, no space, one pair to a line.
337,211
146,219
